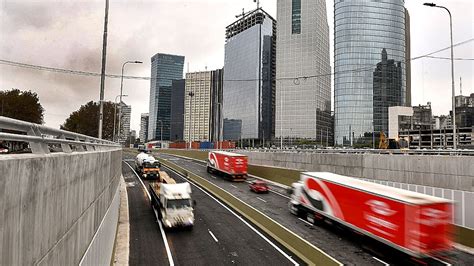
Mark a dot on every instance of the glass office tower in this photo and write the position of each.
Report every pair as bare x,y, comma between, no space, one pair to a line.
249,77
363,29
303,106
164,69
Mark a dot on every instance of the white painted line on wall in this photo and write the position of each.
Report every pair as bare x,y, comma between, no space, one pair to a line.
463,210
262,199
381,261
306,222
213,236
163,234
241,219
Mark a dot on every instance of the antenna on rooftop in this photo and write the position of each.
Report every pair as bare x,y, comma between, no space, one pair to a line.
460,85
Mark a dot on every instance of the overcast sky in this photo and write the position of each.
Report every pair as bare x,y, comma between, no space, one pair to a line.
68,34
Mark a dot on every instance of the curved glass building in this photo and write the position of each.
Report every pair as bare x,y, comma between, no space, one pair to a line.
369,64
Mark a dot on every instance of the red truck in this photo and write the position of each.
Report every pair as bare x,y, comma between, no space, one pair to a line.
231,165
417,224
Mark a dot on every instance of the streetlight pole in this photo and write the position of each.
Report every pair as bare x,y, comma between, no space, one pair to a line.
102,73
191,94
161,132
121,88
452,72
115,115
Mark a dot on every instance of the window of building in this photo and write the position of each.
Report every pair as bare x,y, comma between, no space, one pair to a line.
296,16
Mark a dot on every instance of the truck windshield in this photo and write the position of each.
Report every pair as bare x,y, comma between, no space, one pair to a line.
178,203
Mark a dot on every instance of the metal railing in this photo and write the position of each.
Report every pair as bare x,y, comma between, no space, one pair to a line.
40,137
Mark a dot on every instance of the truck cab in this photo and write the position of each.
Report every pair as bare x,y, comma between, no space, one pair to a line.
176,208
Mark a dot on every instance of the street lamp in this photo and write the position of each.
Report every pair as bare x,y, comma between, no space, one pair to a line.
115,114
121,88
452,71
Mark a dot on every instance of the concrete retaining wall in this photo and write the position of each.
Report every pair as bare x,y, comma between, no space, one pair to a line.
450,172
52,205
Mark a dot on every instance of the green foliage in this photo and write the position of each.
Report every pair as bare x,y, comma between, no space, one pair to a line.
21,105
86,120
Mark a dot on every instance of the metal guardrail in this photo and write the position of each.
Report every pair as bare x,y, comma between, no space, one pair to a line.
39,137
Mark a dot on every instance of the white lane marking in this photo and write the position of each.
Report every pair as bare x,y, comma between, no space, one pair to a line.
446,263
278,193
213,236
381,261
304,221
213,177
240,218
233,186
261,199
163,235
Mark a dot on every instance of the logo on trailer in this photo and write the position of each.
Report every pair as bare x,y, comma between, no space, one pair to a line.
380,207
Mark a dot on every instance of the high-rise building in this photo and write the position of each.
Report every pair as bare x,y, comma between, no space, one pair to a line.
303,105
387,90
164,69
249,75
408,58
143,127
202,109
177,109
362,29
126,111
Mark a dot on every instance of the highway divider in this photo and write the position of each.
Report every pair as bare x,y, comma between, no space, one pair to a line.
306,251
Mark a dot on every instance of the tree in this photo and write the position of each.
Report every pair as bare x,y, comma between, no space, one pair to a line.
21,105
86,120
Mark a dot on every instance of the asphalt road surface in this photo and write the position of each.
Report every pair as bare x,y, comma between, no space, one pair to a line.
347,247
219,236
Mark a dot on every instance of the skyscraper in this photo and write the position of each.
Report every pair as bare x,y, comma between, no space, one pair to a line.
249,76
143,135
362,29
125,122
202,110
303,105
164,69
387,90
177,109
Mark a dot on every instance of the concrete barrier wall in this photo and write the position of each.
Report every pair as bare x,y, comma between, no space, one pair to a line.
449,172
52,205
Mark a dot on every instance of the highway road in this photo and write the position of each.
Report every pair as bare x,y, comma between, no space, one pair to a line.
219,236
347,247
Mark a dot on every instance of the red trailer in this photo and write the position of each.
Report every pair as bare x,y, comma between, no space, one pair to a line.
417,224
230,165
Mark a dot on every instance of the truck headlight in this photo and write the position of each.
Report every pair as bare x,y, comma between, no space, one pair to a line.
167,223
144,175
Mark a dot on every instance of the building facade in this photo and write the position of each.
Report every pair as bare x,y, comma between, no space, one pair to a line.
303,106
203,94
249,76
143,135
126,111
387,89
164,69
362,30
177,110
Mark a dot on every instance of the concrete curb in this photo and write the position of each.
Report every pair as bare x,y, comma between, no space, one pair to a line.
122,241
306,251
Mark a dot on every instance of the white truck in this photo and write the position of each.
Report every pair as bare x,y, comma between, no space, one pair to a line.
147,166
172,202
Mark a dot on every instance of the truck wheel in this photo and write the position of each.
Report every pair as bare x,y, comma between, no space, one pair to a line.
310,217
294,210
